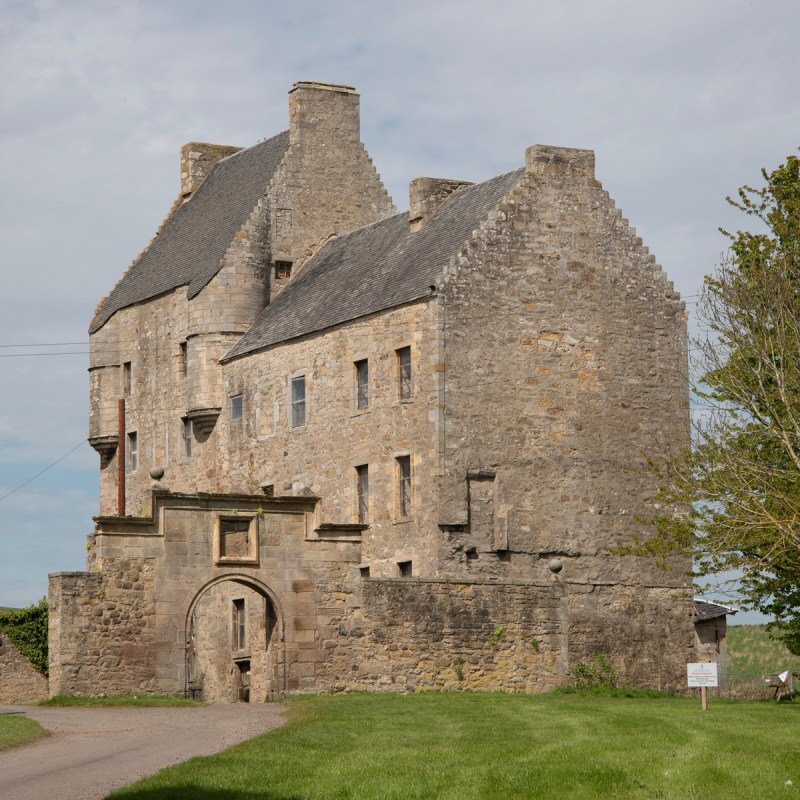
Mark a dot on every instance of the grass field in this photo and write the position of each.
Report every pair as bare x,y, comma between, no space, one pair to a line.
751,650
16,729
469,746
141,701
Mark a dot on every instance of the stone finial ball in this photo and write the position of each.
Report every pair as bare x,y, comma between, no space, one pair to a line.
157,473
555,565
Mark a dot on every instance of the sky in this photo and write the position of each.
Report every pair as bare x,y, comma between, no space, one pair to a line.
682,102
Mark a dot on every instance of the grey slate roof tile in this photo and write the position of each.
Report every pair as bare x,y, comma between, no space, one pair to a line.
189,249
377,267
704,610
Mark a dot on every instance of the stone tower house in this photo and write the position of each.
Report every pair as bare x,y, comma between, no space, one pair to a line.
346,448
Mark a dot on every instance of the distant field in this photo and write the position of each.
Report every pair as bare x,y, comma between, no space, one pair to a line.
463,746
4,609
751,650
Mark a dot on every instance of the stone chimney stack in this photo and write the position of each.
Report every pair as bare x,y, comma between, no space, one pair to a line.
197,159
426,196
323,112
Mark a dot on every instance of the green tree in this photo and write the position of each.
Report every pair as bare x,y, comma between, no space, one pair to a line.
734,501
27,629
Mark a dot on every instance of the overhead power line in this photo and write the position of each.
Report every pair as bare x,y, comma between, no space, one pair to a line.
41,472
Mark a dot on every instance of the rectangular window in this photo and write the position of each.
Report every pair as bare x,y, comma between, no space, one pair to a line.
184,358
236,407
126,379
299,401
404,504
362,493
133,451
362,383
188,436
405,569
239,632
283,270
405,387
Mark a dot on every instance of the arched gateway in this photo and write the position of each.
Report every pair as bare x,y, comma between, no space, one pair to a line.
234,642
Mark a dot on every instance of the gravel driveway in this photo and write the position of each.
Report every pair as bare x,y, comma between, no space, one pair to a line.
93,751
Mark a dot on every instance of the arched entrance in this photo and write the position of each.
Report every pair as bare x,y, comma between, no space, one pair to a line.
234,642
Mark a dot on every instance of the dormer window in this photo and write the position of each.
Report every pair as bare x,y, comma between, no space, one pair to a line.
283,270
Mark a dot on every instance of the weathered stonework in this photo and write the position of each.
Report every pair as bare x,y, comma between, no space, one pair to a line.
387,451
20,681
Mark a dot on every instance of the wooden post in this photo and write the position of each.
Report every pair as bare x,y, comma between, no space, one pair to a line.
121,461
704,698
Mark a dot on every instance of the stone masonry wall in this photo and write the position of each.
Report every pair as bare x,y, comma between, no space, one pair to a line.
102,631
20,681
586,361
264,448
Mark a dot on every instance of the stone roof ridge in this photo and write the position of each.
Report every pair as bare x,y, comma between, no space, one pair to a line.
374,268
193,240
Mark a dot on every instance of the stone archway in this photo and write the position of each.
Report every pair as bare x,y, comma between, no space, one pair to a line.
234,642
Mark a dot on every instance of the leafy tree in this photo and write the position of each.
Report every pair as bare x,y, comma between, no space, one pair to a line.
734,501
27,629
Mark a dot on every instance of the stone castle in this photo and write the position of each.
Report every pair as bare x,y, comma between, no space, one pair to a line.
347,448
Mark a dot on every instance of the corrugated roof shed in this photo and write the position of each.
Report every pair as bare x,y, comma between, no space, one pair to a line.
189,249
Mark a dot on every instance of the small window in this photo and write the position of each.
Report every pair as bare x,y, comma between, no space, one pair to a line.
405,387
299,401
188,437
404,505
239,630
184,358
405,569
126,379
133,451
362,493
283,270
362,384
364,571
236,407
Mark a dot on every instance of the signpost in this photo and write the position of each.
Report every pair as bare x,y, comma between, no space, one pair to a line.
702,676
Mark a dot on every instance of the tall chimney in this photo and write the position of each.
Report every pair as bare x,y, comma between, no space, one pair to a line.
318,110
426,196
197,159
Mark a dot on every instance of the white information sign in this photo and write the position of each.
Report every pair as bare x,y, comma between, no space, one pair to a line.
701,675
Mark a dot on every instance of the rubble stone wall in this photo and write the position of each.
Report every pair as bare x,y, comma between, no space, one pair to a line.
20,681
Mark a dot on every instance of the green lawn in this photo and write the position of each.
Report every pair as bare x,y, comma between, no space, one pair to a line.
750,650
142,701
16,729
464,746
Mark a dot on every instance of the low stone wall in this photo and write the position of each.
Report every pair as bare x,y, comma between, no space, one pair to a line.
20,681
417,635
101,634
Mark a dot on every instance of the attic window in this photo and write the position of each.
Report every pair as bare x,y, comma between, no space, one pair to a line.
283,270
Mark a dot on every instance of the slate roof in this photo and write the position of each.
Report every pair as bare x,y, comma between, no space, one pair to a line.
189,249
374,268
704,610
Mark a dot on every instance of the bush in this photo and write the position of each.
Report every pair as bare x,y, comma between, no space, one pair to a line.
27,630
597,673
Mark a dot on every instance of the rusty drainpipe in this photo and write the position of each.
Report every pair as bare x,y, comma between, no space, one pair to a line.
121,462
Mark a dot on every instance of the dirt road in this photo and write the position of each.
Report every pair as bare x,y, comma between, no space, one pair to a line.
93,751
